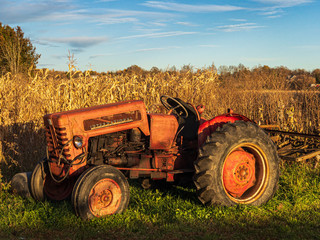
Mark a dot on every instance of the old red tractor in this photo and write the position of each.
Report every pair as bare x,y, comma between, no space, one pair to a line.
92,151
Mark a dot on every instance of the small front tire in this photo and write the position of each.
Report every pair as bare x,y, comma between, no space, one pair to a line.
100,191
43,187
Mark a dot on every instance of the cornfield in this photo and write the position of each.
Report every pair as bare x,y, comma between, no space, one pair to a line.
25,99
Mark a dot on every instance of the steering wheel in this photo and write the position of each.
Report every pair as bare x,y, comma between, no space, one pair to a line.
174,105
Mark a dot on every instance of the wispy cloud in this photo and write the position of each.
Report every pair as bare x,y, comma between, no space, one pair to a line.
15,12
180,7
112,16
12,12
274,16
59,56
284,3
238,19
159,24
155,49
101,55
44,43
239,27
272,11
276,8
105,0
159,35
113,20
78,42
187,24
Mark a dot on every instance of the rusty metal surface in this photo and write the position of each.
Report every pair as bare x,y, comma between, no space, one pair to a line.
239,172
163,131
295,134
88,122
105,197
294,146
208,127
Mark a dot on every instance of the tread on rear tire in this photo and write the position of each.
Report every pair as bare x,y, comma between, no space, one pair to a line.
238,164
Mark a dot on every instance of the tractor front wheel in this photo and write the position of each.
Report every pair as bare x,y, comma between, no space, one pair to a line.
238,164
43,187
100,191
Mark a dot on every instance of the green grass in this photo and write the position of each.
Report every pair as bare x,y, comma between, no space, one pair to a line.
175,213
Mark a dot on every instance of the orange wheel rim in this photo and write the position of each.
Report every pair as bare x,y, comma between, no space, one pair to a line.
245,173
104,197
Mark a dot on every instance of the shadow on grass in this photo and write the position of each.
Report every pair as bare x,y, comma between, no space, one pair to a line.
185,191
58,222
165,212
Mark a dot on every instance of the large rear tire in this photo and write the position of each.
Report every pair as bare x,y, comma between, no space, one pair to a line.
43,187
238,164
100,191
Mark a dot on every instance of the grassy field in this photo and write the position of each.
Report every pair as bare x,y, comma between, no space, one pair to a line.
175,213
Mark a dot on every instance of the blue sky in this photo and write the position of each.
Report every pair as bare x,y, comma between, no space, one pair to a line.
108,35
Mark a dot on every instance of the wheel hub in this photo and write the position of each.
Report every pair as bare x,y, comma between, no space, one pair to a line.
239,172
242,173
104,198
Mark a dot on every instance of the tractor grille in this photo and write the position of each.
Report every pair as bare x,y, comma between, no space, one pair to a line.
56,138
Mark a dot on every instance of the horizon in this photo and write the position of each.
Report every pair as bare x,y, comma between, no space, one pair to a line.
111,35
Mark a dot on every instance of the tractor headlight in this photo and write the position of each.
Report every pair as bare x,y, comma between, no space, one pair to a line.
78,141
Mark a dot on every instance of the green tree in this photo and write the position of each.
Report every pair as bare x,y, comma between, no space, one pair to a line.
16,52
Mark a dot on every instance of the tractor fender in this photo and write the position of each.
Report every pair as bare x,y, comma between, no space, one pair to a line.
208,127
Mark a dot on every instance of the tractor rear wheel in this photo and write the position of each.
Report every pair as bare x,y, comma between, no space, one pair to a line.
43,187
238,164
100,191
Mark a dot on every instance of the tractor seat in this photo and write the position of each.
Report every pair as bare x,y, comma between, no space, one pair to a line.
190,124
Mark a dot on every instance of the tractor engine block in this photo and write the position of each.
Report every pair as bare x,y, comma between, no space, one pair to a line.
113,148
